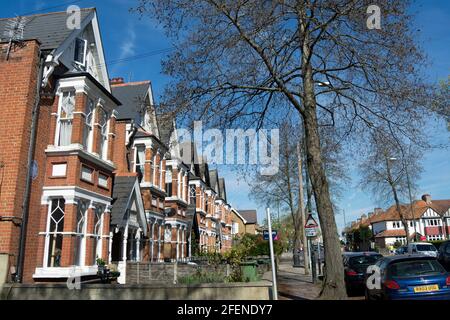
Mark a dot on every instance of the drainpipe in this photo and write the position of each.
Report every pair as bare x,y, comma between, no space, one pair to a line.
26,200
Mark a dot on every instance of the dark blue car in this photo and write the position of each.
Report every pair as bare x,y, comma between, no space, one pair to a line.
409,277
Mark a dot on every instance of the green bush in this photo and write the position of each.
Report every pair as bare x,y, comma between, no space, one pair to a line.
201,277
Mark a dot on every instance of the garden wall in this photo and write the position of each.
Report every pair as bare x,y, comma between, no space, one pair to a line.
260,290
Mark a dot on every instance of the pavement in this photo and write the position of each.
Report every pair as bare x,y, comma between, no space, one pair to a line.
292,282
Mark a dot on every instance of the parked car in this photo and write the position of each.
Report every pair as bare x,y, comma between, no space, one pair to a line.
424,248
444,254
401,250
410,277
355,267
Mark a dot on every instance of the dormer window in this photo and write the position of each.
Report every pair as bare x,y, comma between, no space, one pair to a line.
80,51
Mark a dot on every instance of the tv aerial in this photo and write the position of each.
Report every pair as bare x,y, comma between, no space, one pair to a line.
14,32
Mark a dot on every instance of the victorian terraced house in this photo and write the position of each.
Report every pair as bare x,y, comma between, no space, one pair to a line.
88,169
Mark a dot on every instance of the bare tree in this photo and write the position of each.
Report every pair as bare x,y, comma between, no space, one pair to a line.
387,171
251,60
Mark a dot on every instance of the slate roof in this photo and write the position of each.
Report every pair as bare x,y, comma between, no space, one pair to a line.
214,180
249,215
122,188
50,29
204,172
222,190
132,95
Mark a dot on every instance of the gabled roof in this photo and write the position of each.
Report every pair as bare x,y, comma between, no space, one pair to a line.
132,95
222,190
125,190
214,180
204,173
50,29
249,215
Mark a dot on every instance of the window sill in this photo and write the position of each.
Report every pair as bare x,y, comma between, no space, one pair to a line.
77,149
57,177
87,181
103,187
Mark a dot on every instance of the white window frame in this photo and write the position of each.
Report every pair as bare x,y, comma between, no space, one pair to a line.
82,234
106,180
155,165
161,175
104,132
84,53
59,119
92,174
136,159
88,139
98,235
47,233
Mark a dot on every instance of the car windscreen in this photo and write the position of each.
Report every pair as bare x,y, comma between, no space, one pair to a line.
360,263
425,247
414,268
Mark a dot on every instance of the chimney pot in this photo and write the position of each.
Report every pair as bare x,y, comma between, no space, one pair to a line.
117,80
377,210
426,198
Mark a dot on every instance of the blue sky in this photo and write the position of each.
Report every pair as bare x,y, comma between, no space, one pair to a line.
125,35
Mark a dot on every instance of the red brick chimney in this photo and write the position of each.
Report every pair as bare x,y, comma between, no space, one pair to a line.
118,80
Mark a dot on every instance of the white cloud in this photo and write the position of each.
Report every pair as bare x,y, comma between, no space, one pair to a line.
128,46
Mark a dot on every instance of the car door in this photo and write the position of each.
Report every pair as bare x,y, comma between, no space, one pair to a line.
446,256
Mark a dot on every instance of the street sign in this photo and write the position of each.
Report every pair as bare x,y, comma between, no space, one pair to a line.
266,234
311,232
311,222
311,227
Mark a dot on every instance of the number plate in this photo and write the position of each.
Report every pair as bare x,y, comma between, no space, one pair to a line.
429,288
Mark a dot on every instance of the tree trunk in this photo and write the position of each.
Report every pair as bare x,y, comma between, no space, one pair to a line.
397,201
404,221
333,284
301,208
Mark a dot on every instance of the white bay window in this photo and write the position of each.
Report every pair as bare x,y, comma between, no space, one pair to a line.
88,126
65,118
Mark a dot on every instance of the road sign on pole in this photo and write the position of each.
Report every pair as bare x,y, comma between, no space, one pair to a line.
274,235
311,226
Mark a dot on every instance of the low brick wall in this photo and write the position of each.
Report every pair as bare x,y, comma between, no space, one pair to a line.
146,273
260,290
151,273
